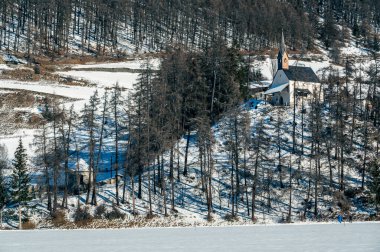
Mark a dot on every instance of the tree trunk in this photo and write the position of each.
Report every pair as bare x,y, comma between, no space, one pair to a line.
302,127
1,212
236,159
316,190
185,170
245,181
133,195
328,147
290,191
116,151
163,181
308,191
341,168
365,147
67,150
254,186
232,189
211,165
78,176
56,164
171,165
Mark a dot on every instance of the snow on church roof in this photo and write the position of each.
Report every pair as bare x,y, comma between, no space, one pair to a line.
277,89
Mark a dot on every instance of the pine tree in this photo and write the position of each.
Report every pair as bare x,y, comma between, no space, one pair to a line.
20,178
3,188
260,147
3,197
374,185
376,43
91,125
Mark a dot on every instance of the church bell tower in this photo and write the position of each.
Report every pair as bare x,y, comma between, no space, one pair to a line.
282,57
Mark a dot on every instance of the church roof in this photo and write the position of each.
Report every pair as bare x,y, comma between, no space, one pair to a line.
276,89
297,73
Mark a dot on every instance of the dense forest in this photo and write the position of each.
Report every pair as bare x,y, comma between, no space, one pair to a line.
102,26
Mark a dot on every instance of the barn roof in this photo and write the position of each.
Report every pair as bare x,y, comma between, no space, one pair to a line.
297,73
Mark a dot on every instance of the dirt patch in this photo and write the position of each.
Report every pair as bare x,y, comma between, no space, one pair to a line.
74,60
35,73
70,81
23,74
17,99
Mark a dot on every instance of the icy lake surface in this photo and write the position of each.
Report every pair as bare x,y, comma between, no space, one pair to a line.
313,237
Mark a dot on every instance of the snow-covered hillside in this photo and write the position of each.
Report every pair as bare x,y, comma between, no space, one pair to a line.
189,197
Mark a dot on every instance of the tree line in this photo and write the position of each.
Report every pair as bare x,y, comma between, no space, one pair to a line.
102,27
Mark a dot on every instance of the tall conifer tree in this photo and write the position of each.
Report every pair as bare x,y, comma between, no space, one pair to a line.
20,178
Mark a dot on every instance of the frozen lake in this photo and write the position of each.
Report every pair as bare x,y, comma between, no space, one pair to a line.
313,237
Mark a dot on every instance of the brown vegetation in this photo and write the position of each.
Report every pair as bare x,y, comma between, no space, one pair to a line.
28,225
59,218
23,74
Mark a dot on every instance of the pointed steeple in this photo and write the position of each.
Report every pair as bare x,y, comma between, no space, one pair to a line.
282,57
282,46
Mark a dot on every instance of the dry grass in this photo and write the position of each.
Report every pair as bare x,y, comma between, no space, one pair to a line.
28,225
231,218
35,120
82,217
49,63
59,218
72,82
115,213
23,74
17,99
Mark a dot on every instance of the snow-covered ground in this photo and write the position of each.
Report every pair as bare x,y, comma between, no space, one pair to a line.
104,79
78,93
11,141
81,94
316,237
132,64
4,67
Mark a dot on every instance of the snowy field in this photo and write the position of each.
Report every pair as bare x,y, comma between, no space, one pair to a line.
104,79
132,64
314,237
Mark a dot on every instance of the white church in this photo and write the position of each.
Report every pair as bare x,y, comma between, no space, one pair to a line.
292,83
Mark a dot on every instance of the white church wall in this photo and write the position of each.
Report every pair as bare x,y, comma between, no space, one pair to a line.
312,87
285,97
